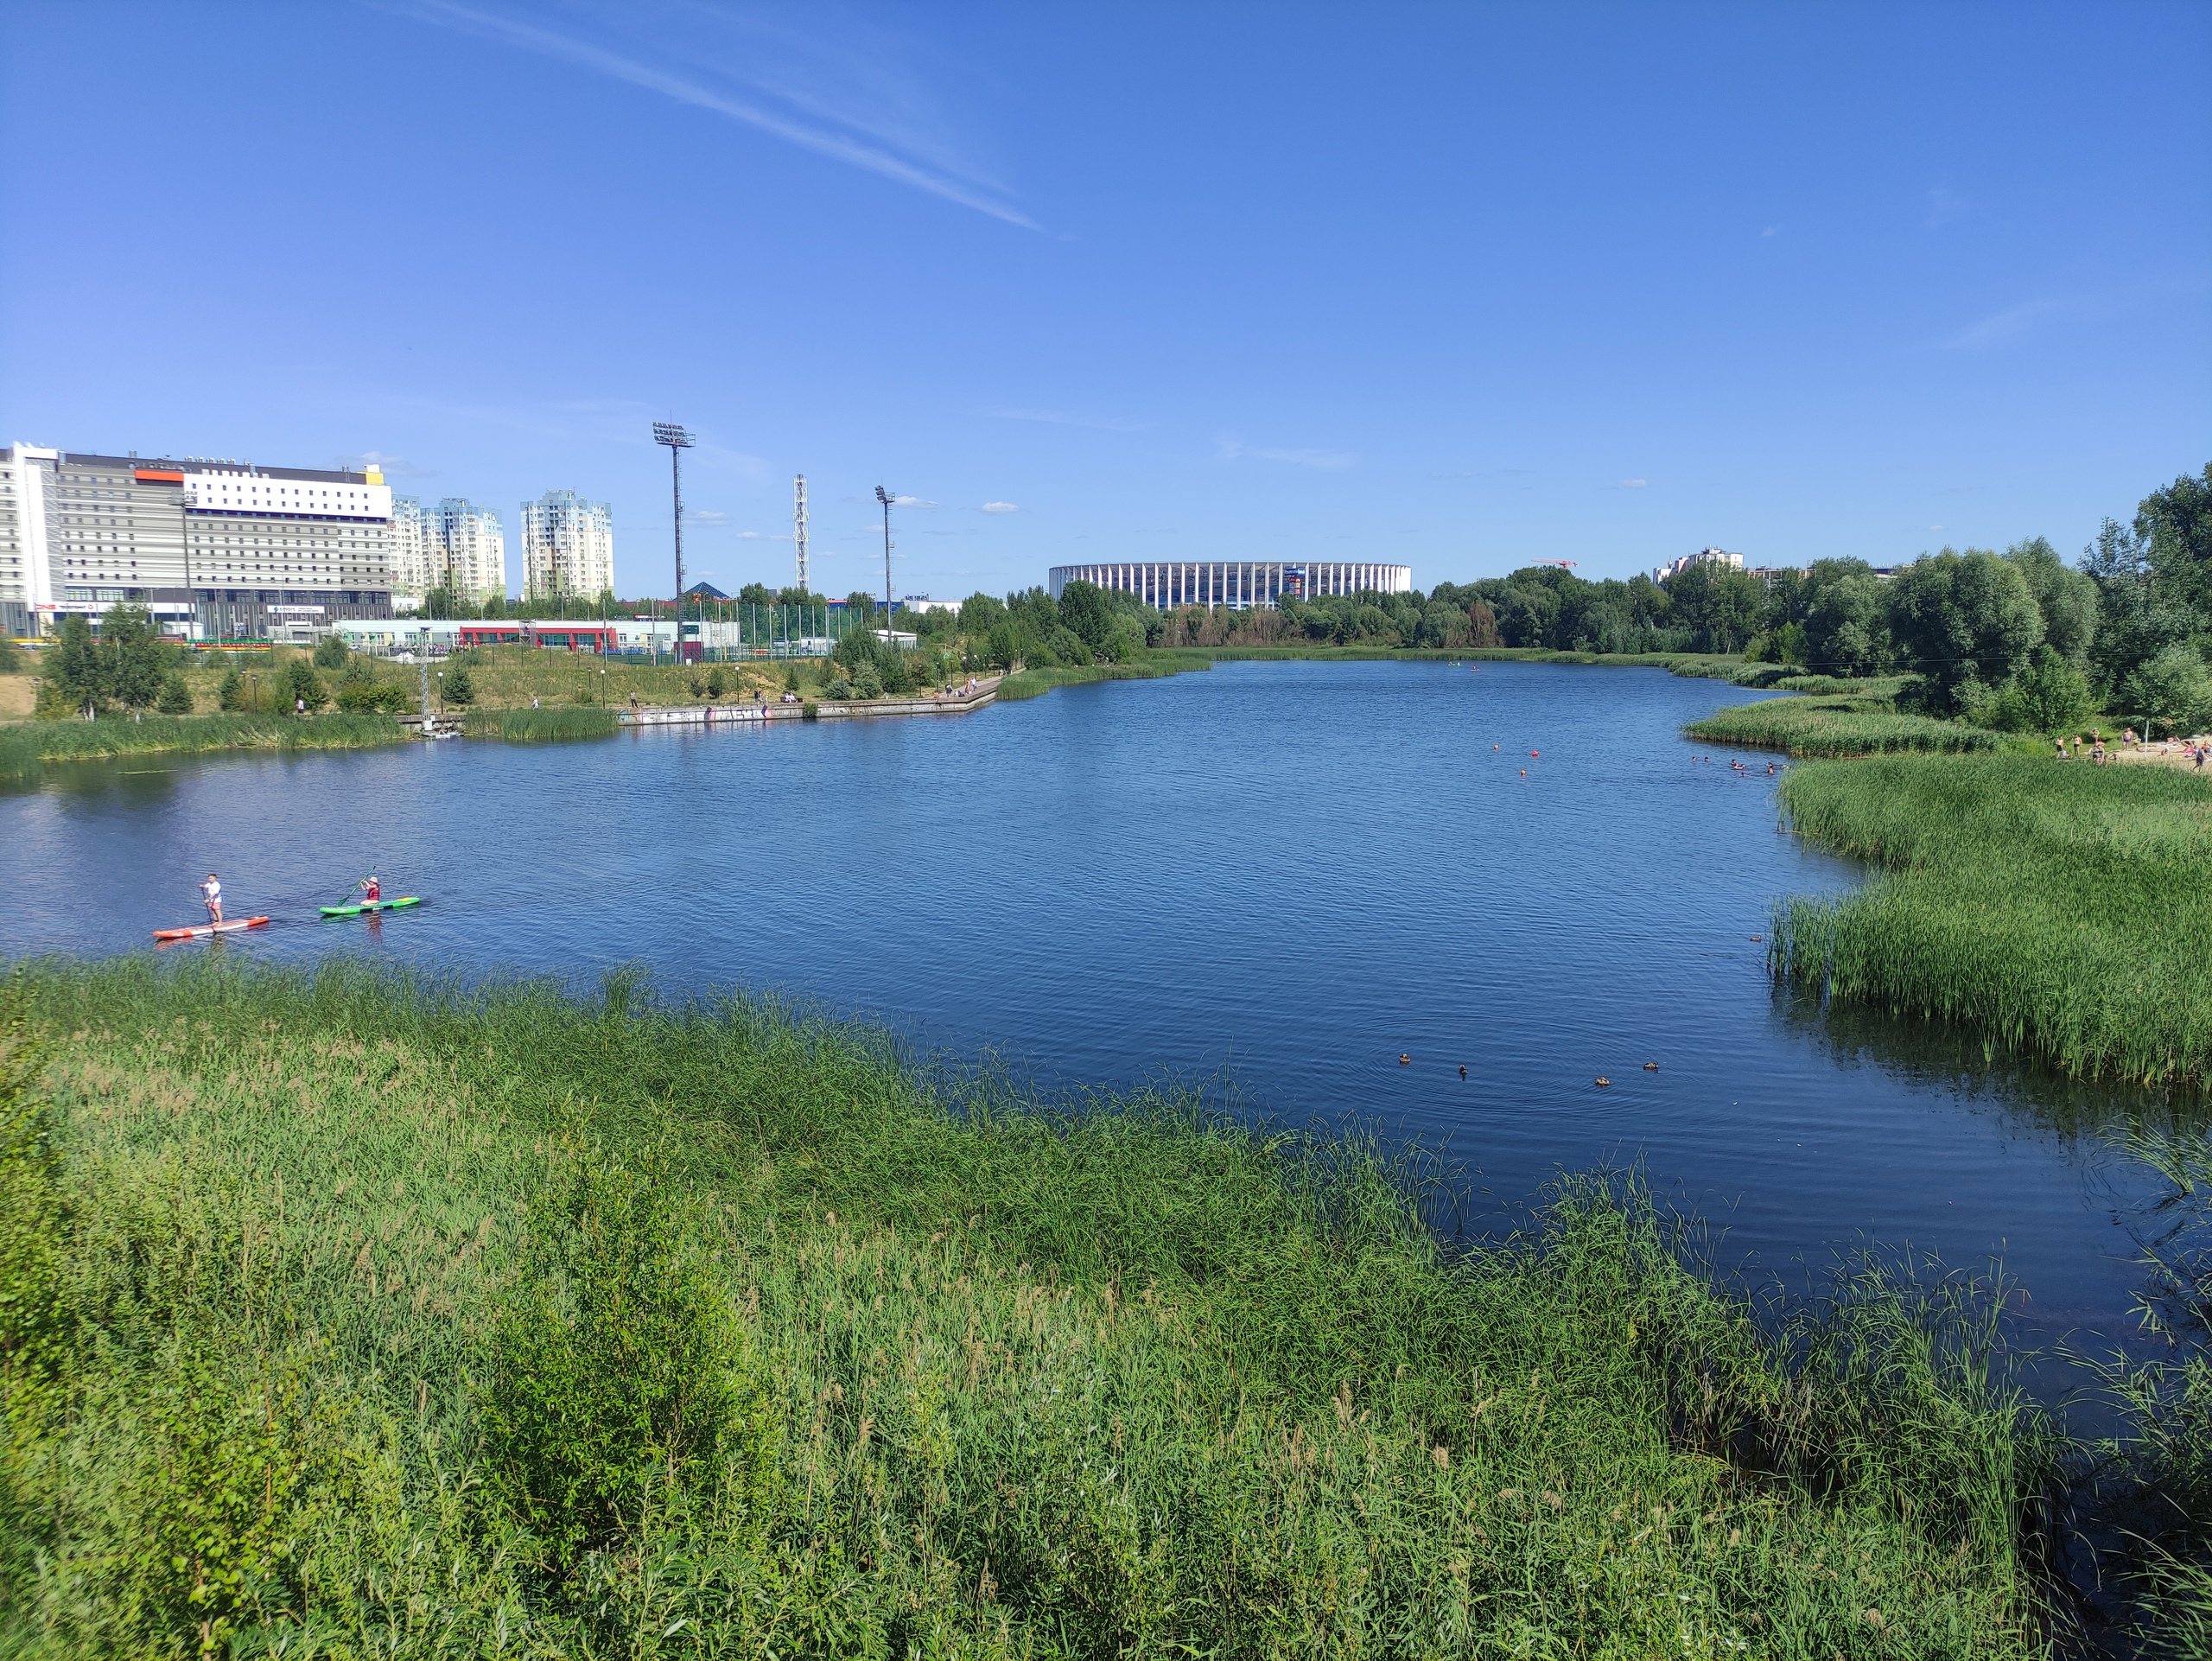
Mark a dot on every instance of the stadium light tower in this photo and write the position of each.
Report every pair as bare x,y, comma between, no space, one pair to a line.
886,499
678,439
798,524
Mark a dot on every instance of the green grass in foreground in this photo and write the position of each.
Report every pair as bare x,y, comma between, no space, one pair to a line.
525,726
2062,908
26,747
351,1316
1035,683
1837,726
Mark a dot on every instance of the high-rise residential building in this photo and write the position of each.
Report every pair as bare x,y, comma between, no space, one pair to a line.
416,567
215,550
470,550
455,544
568,545
1703,557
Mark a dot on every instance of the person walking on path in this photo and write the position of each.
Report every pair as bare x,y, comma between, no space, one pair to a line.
211,892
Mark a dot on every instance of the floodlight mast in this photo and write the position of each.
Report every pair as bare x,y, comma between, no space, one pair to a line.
798,525
678,439
886,499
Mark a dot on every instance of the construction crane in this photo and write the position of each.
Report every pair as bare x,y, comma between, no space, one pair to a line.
1564,564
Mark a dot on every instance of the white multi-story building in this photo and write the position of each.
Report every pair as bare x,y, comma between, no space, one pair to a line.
455,544
417,566
568,545
470,552
1702,556
215,550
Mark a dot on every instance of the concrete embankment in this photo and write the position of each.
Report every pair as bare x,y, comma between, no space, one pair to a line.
710,715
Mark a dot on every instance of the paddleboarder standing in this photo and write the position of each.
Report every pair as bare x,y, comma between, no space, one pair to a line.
211,892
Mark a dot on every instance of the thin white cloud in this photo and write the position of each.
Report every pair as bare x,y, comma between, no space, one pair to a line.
1632,484
688,89
393,467
1234,450
1944,205
763,536
910,501
706,516
1001,508
2009,324
1059,418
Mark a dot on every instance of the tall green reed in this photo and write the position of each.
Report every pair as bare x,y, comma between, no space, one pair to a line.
1837,726
2058,908
1037,1378
26,747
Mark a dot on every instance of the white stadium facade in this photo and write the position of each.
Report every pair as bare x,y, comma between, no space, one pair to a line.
1236,583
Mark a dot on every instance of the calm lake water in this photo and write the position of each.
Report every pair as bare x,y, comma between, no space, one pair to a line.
1273,879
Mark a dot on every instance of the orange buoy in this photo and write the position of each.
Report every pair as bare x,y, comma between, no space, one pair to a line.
1533,751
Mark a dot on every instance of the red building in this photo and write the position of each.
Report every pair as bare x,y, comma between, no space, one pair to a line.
551,636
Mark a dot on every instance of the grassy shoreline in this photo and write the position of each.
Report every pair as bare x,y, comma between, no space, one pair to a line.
26,747
2060,907
1814,726
1693,664
1027,683
376,1316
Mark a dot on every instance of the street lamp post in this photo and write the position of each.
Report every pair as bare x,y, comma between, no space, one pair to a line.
678,439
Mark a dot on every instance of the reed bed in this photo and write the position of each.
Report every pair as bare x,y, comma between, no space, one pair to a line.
1872,686
1035,683
354,1314
2059,907
1837,726
526,726
26,747
1694,663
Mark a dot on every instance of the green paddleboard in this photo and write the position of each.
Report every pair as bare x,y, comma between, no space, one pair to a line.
381,905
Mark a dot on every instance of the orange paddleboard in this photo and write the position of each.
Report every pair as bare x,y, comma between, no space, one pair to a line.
207,928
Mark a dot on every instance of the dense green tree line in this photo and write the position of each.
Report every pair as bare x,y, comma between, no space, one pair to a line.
2021,641
127,665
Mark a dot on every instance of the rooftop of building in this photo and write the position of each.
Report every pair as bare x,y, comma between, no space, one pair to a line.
202,464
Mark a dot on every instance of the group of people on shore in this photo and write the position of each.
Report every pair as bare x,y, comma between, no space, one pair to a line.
2194,749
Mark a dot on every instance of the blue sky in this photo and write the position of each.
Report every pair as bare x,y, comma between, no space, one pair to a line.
1456,286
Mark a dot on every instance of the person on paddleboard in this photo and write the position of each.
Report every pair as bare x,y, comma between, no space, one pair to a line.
211,892
372,891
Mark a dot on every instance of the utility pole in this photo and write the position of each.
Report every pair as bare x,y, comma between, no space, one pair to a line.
678,440
799,526
882,497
